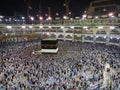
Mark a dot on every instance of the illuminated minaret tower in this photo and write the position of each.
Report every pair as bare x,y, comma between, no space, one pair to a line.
67,7
40,8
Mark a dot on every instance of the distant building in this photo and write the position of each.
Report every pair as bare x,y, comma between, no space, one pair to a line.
102,7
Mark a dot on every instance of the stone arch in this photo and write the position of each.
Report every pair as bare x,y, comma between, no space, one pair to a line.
68,36
45,35
53,35
115,31
60,36
101,31
88,37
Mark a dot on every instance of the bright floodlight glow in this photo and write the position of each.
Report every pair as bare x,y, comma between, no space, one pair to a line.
9,27
1,16
110,14
10,19
84,16
111,37
62,27
6,20
46,15
41,18
72,27
22,18
71,18
30,26
100,27
41,26
23,26
47,34
85,27
57,14
104,9
112,27
50,27
32,18
118,38
113,16
46,19
96,17
70,13
49,18
64,17
6,34
0,20
104,36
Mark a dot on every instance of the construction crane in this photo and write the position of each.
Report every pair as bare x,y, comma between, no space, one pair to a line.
40,8
67,2
29,6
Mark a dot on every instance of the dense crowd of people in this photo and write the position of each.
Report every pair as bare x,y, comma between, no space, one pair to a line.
76,66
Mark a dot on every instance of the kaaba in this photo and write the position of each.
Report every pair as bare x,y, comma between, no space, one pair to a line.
49,46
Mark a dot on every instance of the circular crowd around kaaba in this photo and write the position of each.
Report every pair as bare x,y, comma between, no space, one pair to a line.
76,66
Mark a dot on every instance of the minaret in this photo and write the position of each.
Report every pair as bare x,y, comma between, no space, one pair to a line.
90,10
40,8
67,7
49,11
29,6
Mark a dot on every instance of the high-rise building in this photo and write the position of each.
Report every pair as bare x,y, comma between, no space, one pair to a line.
101,7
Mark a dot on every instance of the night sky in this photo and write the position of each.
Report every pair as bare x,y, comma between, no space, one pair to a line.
9,7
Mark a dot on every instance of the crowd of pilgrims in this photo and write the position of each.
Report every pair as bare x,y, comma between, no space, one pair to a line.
76,66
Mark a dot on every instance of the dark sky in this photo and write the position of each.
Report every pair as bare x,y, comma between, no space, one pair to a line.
8,7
